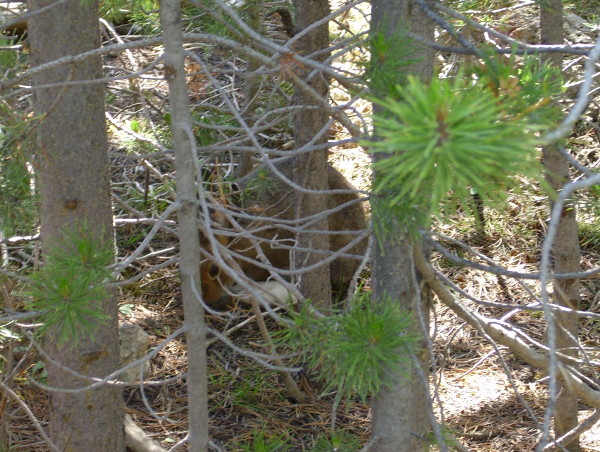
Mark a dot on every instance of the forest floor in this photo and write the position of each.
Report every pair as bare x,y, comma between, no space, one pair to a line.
482,408
249,406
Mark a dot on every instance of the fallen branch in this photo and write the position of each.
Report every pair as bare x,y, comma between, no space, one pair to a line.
137,440
503,335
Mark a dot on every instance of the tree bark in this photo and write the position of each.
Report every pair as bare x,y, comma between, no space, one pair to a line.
567,255
400,410
311,167
251,86
73,168
189,248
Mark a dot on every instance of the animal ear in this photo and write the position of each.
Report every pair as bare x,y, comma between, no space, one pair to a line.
219,218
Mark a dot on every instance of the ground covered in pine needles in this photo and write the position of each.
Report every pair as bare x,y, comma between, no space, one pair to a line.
483,406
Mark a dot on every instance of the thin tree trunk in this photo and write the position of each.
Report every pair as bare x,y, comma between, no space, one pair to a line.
400,411
567,255
189,251
73,168
311,168
251,86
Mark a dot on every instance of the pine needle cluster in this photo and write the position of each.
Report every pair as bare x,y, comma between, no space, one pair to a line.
69,286
450,138
354,352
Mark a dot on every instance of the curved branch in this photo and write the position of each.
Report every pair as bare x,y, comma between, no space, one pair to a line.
503,335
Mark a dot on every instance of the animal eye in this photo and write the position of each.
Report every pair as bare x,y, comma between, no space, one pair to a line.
213,271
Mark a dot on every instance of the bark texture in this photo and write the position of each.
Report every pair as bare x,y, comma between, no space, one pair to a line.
567,255
189,250
251,86
311,168
400,411
72,163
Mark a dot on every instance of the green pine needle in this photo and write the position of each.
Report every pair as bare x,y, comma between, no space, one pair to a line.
70,285
354,352
445,139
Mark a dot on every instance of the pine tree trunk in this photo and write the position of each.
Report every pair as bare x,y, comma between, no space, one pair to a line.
251,87
311,168
400,410
567,255
72,163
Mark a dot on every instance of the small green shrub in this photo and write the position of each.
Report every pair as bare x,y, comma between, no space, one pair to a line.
340,440
262,441
354,352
